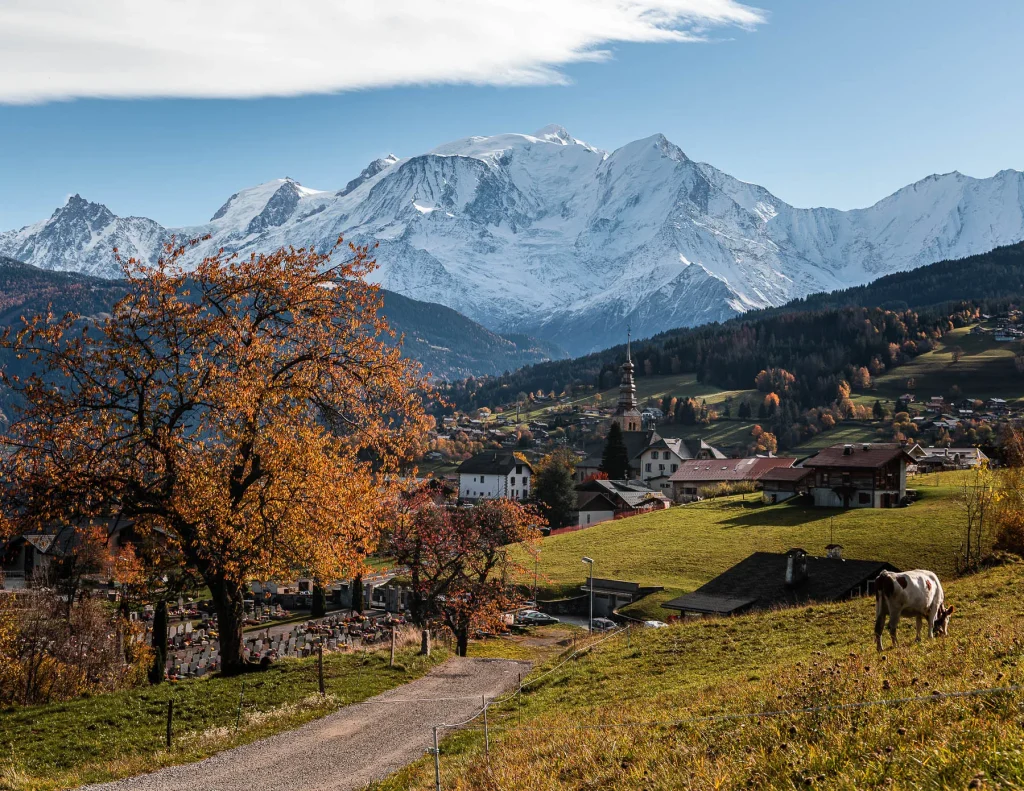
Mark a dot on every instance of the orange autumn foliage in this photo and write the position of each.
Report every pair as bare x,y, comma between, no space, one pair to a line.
250,411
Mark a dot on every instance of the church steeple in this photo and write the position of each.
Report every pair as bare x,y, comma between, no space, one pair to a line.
626,414
627,387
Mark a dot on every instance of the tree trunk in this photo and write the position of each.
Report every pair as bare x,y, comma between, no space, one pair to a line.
159,643
462,642
227,598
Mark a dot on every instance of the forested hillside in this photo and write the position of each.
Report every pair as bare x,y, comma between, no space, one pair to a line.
447,343
822,339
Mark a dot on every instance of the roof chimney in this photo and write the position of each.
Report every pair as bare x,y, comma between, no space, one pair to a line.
796,567
834,551
867,446
847,450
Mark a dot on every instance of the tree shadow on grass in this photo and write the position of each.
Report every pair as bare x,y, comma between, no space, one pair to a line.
788,514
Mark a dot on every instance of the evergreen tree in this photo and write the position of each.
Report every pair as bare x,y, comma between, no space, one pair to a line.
744,411
878,410
159,643
319,604
554,488
615,459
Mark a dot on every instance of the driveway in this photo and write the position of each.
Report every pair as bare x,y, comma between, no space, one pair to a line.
351,748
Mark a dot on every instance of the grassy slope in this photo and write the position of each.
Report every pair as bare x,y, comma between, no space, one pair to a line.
122,734
684,547
813,656
985,371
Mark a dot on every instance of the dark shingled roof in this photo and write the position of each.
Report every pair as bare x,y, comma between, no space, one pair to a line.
759,582
787,474
492,462
855,456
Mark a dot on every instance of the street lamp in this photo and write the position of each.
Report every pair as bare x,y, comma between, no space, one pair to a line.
591,562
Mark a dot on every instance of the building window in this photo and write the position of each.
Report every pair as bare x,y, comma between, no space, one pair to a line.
865,498
654,454
588,519
519,469
675,467
661,467
647,467
513,481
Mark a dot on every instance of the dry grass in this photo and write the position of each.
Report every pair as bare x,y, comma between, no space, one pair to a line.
807,657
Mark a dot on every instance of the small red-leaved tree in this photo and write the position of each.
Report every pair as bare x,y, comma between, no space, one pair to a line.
464,562
249,411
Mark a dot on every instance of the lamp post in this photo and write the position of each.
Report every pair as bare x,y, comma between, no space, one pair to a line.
536,565
591,562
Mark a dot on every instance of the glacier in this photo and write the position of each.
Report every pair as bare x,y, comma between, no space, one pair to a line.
546,235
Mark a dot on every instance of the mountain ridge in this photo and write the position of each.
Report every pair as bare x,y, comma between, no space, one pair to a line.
446,343
546,235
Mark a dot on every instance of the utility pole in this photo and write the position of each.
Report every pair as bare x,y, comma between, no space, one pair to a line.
591,562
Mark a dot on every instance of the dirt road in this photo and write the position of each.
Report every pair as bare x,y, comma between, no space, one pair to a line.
350,748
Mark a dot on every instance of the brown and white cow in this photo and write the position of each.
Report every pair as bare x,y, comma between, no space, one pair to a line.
918,593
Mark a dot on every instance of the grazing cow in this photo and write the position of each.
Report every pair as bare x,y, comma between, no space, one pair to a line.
917,593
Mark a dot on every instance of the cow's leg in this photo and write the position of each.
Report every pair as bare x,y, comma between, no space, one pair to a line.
880,612
894,622
933,613
919,628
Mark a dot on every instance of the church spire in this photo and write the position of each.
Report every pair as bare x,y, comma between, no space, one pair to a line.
627,387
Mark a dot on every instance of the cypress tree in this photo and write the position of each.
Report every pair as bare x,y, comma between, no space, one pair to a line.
615,459
319,604
159,643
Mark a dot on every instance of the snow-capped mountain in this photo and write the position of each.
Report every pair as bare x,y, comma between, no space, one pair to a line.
547,235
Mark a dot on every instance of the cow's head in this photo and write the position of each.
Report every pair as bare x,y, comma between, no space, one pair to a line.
942,620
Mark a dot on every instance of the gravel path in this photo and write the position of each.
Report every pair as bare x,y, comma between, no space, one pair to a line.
350,748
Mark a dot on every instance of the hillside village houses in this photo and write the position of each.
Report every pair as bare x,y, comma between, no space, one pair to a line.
493,474
695,477
860,476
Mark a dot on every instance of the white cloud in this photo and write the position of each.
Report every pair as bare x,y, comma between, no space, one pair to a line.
58,49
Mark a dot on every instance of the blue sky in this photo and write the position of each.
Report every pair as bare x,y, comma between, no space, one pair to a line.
824,103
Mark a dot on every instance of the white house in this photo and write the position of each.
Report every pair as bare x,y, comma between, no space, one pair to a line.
493,474
662,457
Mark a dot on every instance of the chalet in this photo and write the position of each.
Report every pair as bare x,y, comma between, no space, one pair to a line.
860,476
770,579
616,499
25,558
493,474
951,459
695,476
782,483
594,507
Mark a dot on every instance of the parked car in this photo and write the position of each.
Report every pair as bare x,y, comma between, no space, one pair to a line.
655,624
537,619
603,624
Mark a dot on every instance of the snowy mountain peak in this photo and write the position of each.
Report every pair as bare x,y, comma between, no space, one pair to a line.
555,133
546,235
371,170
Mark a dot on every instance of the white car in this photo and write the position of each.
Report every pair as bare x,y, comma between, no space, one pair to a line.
537,619
655,624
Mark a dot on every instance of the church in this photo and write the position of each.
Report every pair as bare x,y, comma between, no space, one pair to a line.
626,414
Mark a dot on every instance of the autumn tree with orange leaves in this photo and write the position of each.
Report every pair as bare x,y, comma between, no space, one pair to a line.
462,561
249,411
